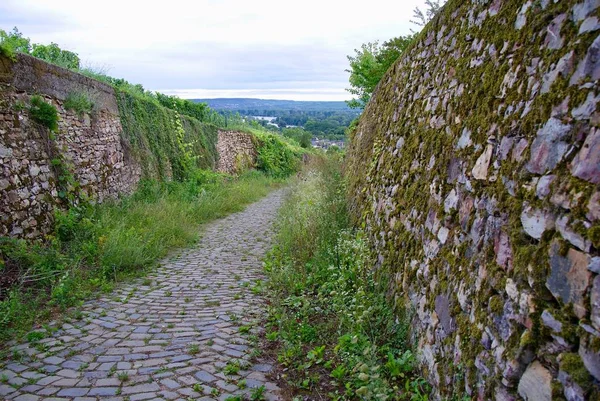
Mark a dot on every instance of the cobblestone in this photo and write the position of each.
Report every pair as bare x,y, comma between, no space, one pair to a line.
167,336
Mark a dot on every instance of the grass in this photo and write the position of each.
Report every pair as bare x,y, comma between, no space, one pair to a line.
232,368
94,246
334,331
257,393
193,349
79,102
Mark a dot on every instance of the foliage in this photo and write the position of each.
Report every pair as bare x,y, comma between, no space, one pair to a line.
13,42
369,64
92,246
79,102
330,318
371,61
275,157
55,55
199,111
43,113
167,144
299,135
188,159
322,119
432,7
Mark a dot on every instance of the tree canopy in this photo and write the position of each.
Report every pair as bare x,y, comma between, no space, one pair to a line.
13,42
372,60
299,135
369,64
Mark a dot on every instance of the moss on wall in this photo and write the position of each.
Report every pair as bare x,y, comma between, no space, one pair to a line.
474,169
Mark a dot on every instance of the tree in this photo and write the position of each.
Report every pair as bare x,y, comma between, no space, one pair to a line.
55,55
13,42
299,135
369,65
372,61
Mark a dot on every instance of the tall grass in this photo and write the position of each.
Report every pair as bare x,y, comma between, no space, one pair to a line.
335,332
94,245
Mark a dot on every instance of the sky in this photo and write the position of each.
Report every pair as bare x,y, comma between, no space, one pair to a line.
216,48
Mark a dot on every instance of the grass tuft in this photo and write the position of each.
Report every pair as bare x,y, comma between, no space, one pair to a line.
79,102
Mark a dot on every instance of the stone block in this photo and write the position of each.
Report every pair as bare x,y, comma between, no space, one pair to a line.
569,277
536,383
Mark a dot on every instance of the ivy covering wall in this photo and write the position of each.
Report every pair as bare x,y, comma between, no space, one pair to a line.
166,144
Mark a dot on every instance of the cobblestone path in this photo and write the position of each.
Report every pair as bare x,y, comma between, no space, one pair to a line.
183,333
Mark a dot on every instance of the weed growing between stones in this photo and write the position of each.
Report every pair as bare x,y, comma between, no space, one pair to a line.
93,246
330,321
43,113
79,102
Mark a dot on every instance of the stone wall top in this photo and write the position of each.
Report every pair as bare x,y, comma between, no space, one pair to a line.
32,75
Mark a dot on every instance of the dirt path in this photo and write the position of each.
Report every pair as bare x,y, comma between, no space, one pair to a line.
180,334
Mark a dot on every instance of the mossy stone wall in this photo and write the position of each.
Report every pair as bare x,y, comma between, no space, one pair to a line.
86,155
475,170
237,151
100,153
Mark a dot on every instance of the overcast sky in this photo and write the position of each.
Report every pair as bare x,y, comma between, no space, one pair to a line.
216,48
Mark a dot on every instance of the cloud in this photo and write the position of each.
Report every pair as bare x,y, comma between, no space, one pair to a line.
214,44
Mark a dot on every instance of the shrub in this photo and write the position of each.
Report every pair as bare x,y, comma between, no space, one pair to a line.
275,157
55,55
43,113
13,42
7,51
79,102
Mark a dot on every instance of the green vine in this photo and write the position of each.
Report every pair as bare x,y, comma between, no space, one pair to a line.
148,128
188,159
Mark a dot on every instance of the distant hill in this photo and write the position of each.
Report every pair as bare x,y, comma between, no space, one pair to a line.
235,104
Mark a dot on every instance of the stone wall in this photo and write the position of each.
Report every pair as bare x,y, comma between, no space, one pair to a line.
475,170
237,152
90,145
107,150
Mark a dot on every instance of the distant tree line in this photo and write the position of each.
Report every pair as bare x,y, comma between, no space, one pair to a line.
323,124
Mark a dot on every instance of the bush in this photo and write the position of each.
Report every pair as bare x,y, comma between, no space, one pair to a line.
275,157
79,102
43,113
52,53
13,42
